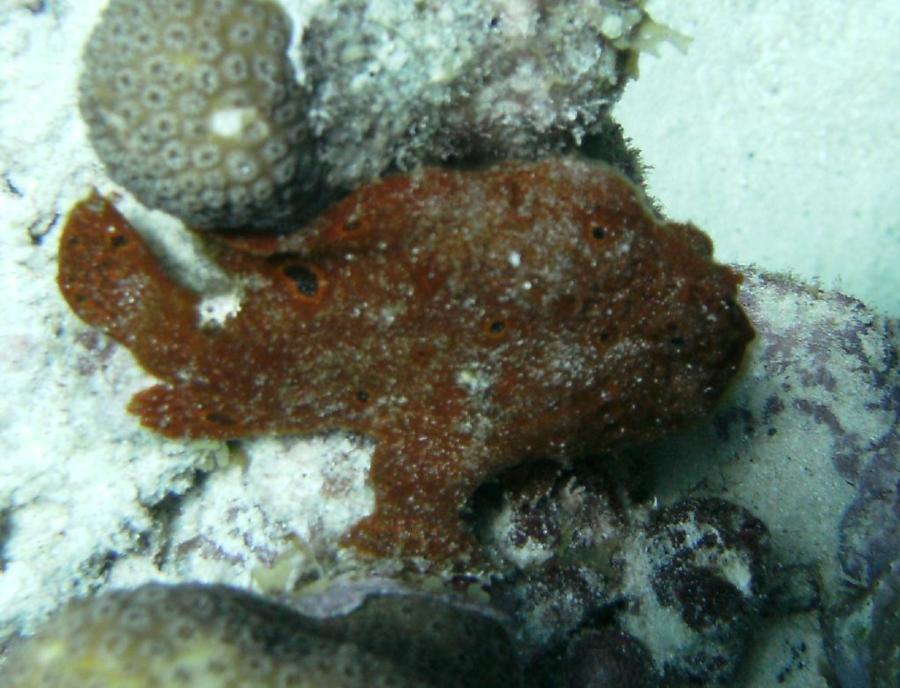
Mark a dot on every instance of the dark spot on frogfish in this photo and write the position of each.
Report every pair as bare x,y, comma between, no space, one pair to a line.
306,280
477,323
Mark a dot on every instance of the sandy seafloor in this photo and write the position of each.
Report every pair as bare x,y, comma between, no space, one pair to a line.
777,133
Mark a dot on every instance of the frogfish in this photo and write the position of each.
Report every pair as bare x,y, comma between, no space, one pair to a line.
466,320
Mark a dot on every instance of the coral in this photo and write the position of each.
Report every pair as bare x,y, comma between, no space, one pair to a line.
596,659
553,535
700,567
884,651
193,106
548,602
546,511
603,592
861,635
215,636
446,639
862,630
870,528
397,83
466,320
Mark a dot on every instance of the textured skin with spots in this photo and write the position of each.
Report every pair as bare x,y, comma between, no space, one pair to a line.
467,320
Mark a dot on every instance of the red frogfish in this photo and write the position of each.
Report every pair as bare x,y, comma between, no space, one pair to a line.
466,320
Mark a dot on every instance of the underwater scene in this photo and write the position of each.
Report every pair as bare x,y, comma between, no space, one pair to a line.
461,343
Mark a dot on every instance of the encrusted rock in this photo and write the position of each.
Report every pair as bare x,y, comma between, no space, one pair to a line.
397,83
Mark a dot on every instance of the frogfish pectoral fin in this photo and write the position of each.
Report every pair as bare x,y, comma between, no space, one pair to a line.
420,492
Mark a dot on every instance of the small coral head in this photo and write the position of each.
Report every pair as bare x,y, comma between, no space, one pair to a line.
192,105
